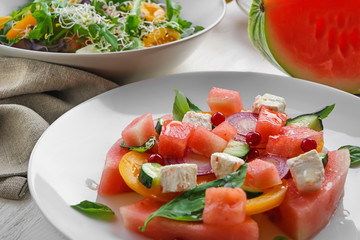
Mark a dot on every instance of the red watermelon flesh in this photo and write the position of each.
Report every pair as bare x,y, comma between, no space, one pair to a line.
111,181
134,215
316,40
302,216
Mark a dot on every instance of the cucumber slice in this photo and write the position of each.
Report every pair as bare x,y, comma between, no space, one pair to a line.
237,149
149,174
250,192
324,158
311,121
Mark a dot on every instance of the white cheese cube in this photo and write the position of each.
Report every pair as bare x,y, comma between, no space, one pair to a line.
224,164
270,101
307,171
178,177
198,119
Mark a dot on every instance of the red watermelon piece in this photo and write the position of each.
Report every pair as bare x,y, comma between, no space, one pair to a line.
288,142
302,216
134,215
224,206
205,142
225,101
261,175
269,123
174,138
111,181
140,130
225,130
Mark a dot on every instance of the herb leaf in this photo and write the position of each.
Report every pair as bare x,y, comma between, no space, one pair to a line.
95,210
189,206
323,113
148,145
182,105
133,19
354,154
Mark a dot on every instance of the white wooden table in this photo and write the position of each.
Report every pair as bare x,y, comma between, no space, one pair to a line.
227,48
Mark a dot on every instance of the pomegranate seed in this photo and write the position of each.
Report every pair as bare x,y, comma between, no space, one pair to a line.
156,158
252,154
217,118
308,144
253,138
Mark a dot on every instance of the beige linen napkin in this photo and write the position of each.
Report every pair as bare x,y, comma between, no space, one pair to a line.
32,95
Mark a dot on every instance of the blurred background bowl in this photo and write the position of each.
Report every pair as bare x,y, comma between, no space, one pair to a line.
132,65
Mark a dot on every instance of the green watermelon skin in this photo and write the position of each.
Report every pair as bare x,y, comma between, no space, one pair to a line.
310,39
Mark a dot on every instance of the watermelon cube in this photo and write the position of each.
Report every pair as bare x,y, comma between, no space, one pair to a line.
225,130
205,142
269,123
261,175
225,101
302,216
174,138
140,130
224,206
288,142
111,181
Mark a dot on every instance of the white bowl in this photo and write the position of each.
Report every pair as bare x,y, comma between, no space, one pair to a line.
135,64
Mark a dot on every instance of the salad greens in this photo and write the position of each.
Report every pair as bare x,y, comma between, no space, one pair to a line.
95,210
182,105
105,25
189,206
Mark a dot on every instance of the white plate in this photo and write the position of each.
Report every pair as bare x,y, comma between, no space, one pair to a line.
69,157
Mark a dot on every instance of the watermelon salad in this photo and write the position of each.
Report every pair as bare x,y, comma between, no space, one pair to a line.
206,173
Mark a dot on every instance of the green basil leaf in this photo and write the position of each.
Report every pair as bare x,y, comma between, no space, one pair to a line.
148,145
182,105
95,210
323,113
189,206
354,154
159,125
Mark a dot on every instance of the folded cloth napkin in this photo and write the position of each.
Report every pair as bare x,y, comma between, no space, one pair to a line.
32,95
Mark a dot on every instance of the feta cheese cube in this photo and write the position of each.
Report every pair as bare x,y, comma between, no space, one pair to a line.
308,171
224,164
178,177
198,119
274,103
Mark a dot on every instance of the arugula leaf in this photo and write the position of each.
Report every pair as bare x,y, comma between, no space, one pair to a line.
133,19
99,31
43,24
189,206
354,154
172,10
182,105
95,210
148,145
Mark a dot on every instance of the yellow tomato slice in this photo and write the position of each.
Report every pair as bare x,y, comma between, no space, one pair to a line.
129,168
271,198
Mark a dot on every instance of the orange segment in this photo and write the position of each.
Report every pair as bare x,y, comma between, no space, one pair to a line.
18,30
3,20
161,36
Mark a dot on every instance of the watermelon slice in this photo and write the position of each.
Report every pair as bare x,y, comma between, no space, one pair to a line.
304,216
111,181
309,39
134,215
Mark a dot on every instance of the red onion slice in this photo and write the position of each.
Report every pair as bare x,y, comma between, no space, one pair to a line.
202,162
244,122
279,162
